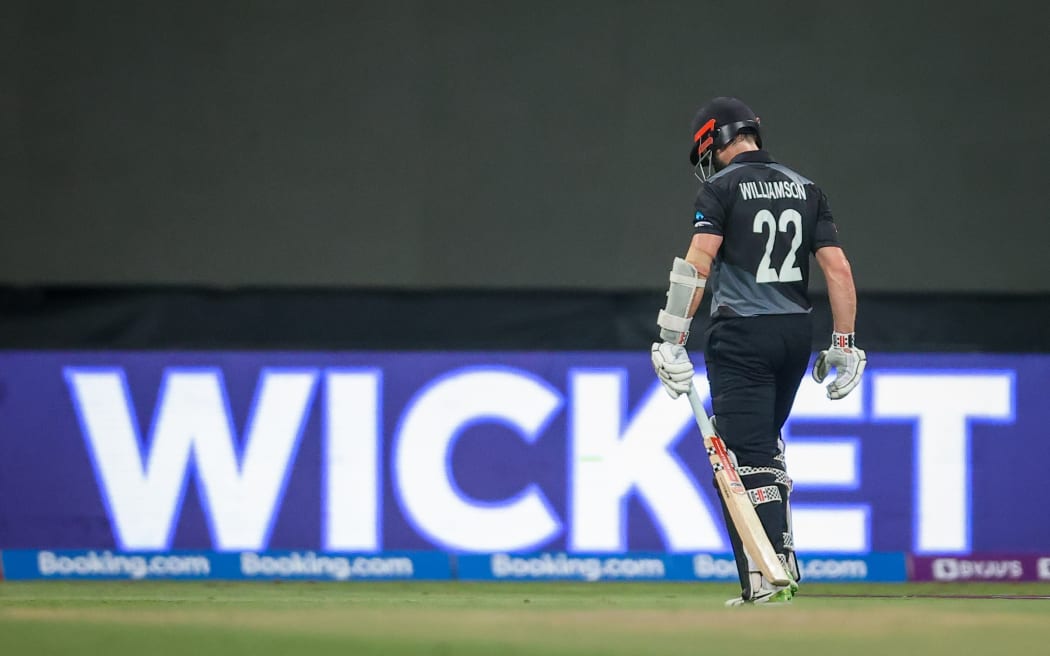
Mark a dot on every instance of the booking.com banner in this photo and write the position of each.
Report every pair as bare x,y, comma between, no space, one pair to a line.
29,564
882,567
489,453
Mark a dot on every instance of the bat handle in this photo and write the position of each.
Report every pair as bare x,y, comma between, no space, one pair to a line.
700,412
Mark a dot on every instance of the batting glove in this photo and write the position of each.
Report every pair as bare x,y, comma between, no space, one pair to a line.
848,362
673,368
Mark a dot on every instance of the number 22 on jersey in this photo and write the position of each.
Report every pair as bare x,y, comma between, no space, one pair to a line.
788,271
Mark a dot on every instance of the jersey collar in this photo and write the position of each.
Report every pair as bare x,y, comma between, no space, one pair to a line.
752,156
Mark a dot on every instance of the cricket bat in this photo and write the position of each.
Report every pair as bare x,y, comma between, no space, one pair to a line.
743,514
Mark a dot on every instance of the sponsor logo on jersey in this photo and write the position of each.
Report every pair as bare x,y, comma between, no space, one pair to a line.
699,220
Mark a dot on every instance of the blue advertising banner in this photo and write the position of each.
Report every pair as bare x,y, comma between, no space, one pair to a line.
73,564
487,453
881,567
574,567
872,567
28,564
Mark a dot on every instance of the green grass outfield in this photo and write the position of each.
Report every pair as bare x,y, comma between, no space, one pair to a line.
501,619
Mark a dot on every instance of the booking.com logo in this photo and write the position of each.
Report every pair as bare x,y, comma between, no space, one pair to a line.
109,565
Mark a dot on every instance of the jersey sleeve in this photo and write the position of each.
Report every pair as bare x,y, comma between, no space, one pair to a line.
825,233
710,213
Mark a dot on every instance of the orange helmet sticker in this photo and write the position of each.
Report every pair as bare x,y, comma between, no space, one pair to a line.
703,137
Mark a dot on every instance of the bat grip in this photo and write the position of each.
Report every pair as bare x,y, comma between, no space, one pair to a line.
700,412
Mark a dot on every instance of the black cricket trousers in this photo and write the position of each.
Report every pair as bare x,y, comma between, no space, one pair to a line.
754,366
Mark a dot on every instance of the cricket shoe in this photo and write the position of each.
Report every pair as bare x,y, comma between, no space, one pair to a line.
777,596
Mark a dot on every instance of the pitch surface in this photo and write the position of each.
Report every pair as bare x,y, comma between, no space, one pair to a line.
506,618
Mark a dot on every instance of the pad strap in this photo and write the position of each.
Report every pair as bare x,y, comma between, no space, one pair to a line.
692,281
779,475
764,494
673,322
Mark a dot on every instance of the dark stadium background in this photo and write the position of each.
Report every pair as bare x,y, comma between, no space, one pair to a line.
512,175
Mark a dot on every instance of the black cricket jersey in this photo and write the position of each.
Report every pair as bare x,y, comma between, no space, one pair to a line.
771,219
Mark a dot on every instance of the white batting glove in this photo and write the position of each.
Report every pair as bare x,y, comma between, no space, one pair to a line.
673,368
848,362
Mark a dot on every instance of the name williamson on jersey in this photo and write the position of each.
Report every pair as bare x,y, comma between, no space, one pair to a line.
772,190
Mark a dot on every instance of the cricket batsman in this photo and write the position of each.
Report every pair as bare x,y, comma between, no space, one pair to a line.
756,222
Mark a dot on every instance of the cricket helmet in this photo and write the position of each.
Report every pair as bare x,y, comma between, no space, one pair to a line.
719,122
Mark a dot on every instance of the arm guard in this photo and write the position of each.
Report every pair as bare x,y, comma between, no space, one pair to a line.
674,319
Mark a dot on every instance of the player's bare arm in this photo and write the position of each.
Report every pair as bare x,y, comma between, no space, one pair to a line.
702,251
841,292
844,356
